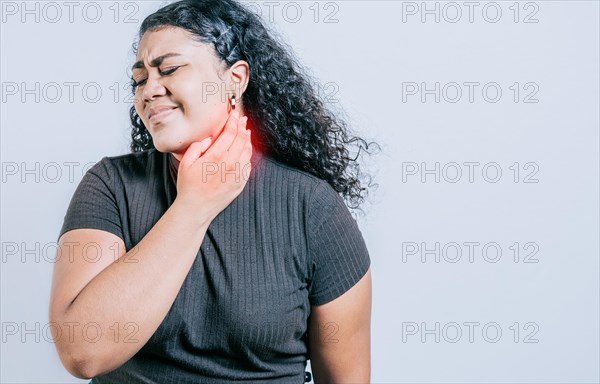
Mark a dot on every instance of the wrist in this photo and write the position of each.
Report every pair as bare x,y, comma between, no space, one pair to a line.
184,211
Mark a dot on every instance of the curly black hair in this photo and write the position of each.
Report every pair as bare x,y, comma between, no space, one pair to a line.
289,119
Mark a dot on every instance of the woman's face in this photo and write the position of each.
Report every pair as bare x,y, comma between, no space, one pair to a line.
180,97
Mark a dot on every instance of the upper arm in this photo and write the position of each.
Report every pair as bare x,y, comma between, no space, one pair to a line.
339,292
340,336
337,253
81,255
91,237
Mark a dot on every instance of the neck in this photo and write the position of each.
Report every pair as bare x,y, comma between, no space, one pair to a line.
174,161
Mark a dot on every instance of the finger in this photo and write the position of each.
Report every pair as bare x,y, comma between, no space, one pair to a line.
246,151
245,157
195,150
227,135
240,140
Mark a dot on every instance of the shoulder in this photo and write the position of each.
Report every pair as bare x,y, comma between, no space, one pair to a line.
295,179
129,166
320,198
274,165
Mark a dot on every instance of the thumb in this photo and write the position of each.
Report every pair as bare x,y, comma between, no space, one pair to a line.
195,150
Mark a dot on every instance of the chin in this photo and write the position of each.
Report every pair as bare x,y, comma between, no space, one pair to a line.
163,147
173,147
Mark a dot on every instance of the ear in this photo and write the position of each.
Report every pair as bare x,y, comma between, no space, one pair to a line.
239,76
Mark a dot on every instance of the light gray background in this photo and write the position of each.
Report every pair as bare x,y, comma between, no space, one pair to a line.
367,56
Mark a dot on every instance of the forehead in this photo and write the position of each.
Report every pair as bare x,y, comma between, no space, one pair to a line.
172,39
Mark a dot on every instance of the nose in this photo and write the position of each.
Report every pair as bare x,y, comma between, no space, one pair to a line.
153,88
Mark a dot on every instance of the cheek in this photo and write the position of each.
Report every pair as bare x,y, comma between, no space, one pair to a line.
207,93
203,103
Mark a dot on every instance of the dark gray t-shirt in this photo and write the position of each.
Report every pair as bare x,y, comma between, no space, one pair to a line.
285,243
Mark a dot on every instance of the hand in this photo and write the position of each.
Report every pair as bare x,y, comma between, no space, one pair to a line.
210,177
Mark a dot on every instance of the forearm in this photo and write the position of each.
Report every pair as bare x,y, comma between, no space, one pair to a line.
129,299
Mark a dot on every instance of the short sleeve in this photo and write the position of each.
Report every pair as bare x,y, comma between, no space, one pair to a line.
93,204
338,256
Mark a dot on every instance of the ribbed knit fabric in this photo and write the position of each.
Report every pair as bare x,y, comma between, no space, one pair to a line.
285,243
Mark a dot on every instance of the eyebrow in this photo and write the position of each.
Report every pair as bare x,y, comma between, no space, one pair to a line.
154,63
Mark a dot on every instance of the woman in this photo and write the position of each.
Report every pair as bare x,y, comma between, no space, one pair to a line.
218,255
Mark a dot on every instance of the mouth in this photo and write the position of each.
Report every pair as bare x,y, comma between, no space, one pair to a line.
161,114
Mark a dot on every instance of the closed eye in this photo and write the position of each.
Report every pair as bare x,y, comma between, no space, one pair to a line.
168,71
135,84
